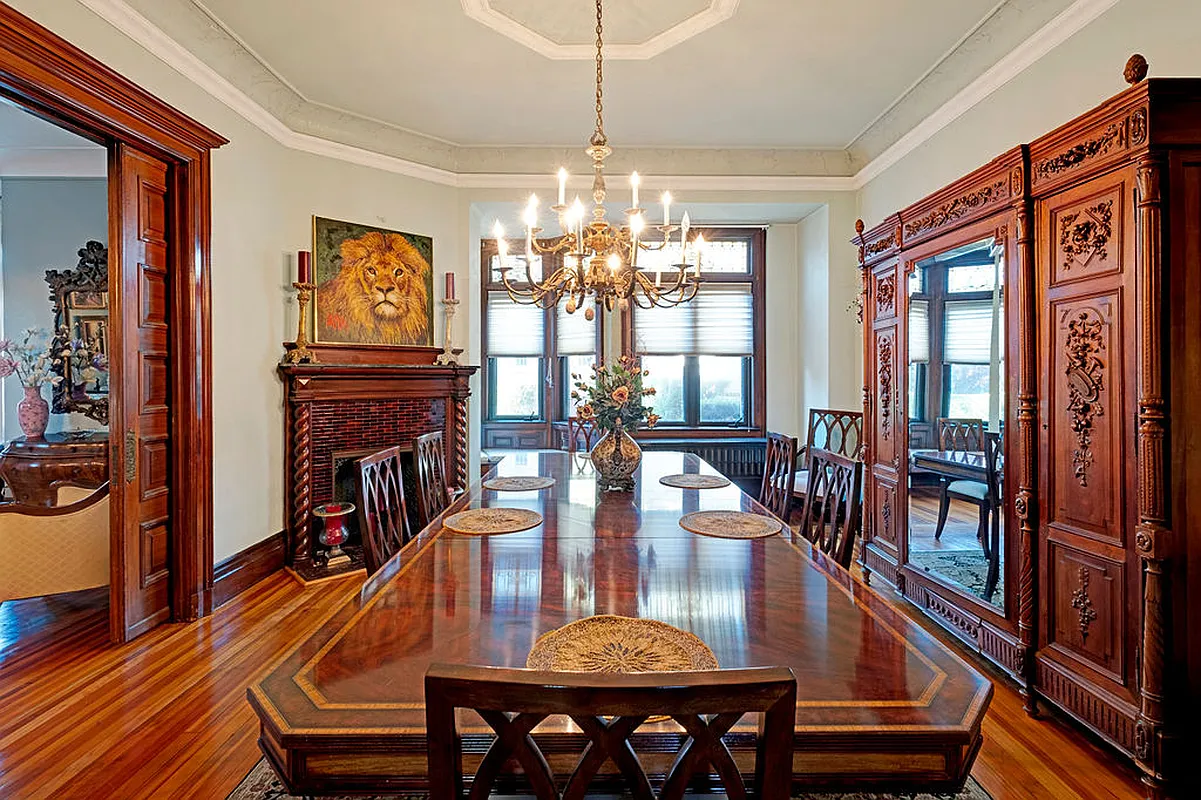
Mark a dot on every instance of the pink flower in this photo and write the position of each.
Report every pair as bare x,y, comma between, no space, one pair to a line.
7,366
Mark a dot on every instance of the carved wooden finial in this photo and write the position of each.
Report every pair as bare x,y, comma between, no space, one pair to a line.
1136,69
859,226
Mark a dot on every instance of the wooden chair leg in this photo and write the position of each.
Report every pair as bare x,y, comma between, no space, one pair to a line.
994,556
982,529
944,506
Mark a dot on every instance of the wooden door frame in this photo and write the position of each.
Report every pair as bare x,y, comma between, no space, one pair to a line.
55,80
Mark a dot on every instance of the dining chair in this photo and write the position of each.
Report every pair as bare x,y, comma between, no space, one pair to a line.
608,709
959,435
830,516
580,430
830,429
779,475
429,465
383,516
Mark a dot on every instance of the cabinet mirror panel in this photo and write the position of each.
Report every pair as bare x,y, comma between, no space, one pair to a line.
956,406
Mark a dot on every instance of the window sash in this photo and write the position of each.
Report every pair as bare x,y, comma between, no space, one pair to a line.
514,329
719,321
574,334
969,330
919,331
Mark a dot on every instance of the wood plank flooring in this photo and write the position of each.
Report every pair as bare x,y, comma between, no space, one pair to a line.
166,716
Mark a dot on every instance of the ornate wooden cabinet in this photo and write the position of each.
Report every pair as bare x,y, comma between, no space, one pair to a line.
1099,223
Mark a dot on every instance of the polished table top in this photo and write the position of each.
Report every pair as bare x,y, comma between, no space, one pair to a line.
863,670
969,464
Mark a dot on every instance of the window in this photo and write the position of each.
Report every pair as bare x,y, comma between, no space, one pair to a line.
919,355
527,349
969,355
702,354
514,347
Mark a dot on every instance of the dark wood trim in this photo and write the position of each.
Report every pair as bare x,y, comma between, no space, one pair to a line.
244,569
56,80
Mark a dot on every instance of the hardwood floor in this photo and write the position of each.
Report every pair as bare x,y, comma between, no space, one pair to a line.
166,716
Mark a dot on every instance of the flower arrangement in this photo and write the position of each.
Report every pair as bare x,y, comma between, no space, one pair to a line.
615,396
29,360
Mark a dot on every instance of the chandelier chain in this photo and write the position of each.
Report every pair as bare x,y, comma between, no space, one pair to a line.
600,75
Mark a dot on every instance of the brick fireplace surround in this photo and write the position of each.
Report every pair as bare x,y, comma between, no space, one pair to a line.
363,399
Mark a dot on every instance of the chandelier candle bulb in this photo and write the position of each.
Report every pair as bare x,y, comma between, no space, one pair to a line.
700,247
634,181
562,186
685,223
666,209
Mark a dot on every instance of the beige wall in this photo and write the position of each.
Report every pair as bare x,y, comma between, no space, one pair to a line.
1077,75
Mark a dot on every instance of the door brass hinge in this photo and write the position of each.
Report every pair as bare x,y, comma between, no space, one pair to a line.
131,456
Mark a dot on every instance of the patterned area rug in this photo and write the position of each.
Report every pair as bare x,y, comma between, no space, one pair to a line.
261,784
968,568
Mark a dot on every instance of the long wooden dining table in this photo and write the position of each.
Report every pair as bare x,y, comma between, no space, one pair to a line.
881,704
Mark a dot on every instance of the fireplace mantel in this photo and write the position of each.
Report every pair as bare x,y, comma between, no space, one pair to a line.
336,407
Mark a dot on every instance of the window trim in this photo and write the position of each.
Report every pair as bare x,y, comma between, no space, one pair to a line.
756,365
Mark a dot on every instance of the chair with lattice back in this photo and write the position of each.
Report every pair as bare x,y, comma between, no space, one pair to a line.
608,709
830,516
383,515
831,429
779,475
580,432
429,467
960,435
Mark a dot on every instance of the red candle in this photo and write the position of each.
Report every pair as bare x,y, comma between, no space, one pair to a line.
450,286
304,267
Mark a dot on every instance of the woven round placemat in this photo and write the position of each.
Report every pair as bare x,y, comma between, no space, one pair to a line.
614,644
518,483
493,520
691,480
730,524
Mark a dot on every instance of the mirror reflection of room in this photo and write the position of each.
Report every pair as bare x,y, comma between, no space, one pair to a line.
956,400
54,367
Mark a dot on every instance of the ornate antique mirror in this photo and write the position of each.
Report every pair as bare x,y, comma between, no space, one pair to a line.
81,342
956,402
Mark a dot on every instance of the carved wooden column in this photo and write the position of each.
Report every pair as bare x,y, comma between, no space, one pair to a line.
302,469
1025,502
1152,535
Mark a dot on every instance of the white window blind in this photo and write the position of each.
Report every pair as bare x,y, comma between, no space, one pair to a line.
719,321
919,331
575,335
968,331
513,329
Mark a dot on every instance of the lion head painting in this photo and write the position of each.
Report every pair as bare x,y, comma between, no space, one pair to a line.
380,292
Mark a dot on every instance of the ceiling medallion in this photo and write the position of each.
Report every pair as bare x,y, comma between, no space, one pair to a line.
600,259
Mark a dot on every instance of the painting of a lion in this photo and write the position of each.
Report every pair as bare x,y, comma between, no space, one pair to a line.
374,286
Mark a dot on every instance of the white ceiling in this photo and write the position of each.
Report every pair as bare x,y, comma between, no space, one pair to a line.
776,74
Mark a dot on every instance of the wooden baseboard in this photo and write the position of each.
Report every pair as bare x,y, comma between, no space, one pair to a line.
242,570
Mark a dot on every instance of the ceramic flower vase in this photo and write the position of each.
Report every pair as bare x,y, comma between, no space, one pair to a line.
33,413
615,457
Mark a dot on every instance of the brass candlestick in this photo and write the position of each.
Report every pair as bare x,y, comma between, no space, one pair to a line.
300,354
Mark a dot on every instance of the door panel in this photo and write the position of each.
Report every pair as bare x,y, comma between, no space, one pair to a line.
140,415
1087,574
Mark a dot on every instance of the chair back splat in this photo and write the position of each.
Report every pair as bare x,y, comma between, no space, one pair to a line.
429,464
779,475
383,516
608,709
830,516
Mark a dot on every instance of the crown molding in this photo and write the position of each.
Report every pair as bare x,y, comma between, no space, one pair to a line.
717,12
145,33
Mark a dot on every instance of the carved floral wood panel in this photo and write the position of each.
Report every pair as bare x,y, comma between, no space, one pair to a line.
1087,237
1088,608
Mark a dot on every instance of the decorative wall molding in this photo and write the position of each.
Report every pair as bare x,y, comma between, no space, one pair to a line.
1086,380
717,12
138,28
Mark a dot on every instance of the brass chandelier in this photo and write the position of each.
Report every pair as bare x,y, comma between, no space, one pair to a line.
600,258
